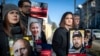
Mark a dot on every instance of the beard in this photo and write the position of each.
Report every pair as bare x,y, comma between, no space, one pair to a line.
77,47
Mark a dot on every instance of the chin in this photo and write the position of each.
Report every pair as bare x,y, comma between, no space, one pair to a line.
15,22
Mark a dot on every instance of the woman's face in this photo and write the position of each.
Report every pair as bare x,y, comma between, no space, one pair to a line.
69,20
35,29
13,17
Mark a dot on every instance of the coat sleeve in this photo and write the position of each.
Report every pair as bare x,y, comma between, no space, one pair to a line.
57,43
4,48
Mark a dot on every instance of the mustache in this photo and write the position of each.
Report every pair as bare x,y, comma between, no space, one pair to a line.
76,43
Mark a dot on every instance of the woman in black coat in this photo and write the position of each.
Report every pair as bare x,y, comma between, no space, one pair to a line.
60,40
12,28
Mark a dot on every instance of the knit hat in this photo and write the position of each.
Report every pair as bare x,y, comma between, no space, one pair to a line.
77,34
7,8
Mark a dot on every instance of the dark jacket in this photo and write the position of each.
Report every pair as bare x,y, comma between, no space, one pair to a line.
43,37
24,19
60,42
43,44
4,42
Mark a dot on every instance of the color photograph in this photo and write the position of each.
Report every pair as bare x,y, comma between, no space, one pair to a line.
77,41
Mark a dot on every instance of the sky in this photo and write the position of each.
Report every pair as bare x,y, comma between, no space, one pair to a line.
56,8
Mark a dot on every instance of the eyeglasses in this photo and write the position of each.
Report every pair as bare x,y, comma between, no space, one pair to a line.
27,6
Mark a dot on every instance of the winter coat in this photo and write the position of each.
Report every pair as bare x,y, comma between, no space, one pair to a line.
60,42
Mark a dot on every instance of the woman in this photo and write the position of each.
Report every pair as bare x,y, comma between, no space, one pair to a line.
60,41
12,28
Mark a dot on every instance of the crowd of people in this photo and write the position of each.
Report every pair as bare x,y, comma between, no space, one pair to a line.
14,26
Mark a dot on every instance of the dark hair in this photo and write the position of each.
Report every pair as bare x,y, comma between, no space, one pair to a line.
63,17
20,3
76,14
87,31
77,34
0,11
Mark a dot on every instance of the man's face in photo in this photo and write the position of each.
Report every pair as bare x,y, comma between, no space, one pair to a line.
20,49
77,42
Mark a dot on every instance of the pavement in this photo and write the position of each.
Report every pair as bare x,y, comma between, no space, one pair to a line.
95,50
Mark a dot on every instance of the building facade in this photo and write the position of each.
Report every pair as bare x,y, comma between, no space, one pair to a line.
90,14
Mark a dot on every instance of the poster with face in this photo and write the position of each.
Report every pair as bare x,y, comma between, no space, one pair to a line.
21,46
34,27
39,10
76,41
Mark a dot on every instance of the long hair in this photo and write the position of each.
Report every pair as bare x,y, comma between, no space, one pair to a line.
7,26
62,22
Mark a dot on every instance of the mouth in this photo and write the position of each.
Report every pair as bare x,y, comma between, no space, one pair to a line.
15,19
35,33
76,44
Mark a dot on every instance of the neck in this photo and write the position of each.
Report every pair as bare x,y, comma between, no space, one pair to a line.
68,27
79,49
77,25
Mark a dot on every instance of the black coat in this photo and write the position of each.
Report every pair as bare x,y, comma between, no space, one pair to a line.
24,19
43,37
60,42
4,42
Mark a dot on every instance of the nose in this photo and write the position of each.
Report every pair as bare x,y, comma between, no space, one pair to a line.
15,15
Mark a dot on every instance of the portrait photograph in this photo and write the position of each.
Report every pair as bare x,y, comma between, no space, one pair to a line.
76,41
34,26
21,46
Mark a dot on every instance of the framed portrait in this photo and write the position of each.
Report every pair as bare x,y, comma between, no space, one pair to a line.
76,41
21,44
34,26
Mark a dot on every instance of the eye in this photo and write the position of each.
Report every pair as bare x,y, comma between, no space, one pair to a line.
11,12
33,27
36,27
27,6
16,12
15,51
